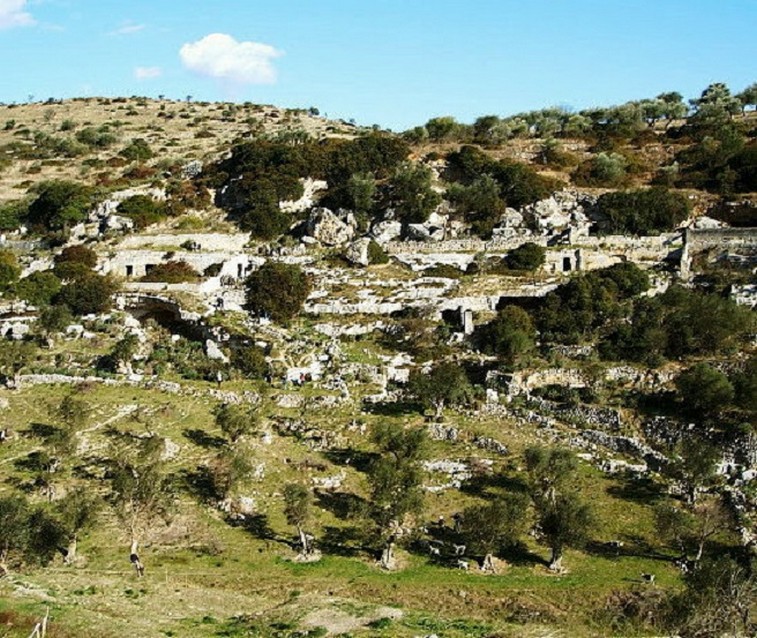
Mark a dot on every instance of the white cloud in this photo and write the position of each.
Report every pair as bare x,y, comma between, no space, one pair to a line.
147,72
220,56
12,14
127,28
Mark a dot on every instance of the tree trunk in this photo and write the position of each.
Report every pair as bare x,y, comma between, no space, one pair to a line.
134,558
71,551
303,540
555,562
387,556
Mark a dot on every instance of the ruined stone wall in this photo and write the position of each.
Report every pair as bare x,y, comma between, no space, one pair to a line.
136,263
697,240
228,242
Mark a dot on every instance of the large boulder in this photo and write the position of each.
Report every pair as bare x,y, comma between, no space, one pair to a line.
328,228
357,252
386,231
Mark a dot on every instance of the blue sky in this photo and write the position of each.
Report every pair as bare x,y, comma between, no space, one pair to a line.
392,62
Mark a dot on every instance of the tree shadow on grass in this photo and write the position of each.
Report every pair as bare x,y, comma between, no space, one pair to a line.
640,490
342,541
343,505
39,430
203,439
480,484
354,458
632,546
199,483
393,409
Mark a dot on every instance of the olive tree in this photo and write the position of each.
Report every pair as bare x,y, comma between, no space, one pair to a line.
394,478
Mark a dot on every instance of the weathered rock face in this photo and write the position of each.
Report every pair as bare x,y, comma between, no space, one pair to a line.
328,228
357,252
564,209
433,229
309,188
387,230
214,352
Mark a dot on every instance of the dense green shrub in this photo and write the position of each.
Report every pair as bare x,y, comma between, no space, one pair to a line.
510,335
528,257
10,271
578,308
644,211
90,293
704,390
143,210
519,183
250,361
172,272
137,150
277,290
376,254
680,322
60,204
12,213
39,288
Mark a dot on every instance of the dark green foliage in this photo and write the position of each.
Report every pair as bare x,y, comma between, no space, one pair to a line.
26,534
59,205
444,128
643,212
186,358
480,202
528,257
704,390
172,272
78,511
411,192
519,184
604,169
446,384
277,290
79,254
565,522
262,215
96,137
90,293
717,161
718,601
395,475
235,420
745,385
374,153
578,308
376,254
490,528
10,271
12,213
122,352
550,471
137,150
250,360
141,489
143,210
678,323
39,288
744,165
510,335
54,318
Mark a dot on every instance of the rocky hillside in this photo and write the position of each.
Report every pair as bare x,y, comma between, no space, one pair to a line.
268,374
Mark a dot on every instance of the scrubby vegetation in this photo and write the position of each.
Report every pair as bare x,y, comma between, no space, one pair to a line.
522,424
